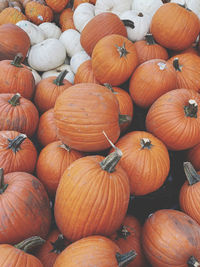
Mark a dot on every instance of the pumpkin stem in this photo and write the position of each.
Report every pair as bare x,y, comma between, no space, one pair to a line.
15,143
128,23
192,262
191,174
149,39
140,14
185,6
59,80
123,232
14,101
109,86
2,185
30,243
191,109
17,61
124,119
161,65
176,65
66,147
58,245
109,163
124,259
145,143
122,50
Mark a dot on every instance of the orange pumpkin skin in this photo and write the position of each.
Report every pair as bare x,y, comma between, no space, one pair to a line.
57,6
61,157
85,73
21,157
146,161
98,209
170,238
13,40
12,257
82,113
128,237
169,116
22,117
187,68
150,80
16,79
181,29
78,2
99,26
148,49
11,15
193,155
66,19
47,92
25,201
114,58
47,131
95,251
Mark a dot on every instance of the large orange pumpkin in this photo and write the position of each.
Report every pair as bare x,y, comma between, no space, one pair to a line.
193,155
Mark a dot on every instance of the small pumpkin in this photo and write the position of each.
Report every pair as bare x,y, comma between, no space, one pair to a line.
77,59
115,6
50,30
11,15
193,155
84,73
66,19
57,6
148,7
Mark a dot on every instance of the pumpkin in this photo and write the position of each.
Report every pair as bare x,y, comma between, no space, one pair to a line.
47,131
148,7
84,73
174,118
128,237
145,159
92,202
77,59
115,6
41,57
18,254
189,192
83,112
23,200
18,113
78,2
52,162
171,238
38,13
11,15
99,26
49,251
193,155
82,15
187,68
181,29
148,49
150,80
48,90
50,30
16,78
114,58
13,40
17,152
57,6
36,75
95,251
66,19
192,5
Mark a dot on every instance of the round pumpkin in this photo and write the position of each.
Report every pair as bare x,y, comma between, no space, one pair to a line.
11,15
57,6
85,73
193,155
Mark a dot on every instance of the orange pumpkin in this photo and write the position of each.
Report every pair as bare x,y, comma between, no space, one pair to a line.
57,6
66,19
193,155
78,2
11,15
85,73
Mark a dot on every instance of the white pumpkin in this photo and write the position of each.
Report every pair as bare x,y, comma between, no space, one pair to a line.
146,6
47,55
50,29
55,72
71,41
82,15
36,75
35,34
193,5
78,59
114,6
141,24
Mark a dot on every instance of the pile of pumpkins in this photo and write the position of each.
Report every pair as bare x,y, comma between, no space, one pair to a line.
96,99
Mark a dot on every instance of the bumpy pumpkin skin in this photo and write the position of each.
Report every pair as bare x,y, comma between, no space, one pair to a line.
83,112
170,238
90,200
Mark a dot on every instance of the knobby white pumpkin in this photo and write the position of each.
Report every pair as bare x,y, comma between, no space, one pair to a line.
50,29
78,59
146,6
71,41
47,55
114,6
82,15
55,72
193,5
35,34
139,26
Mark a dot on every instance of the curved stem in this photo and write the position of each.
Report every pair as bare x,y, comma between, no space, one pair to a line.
124,119
149,39
58,245
14,101
3,186
191,174
128,23
59,80
123,232
191,109
30,243
122,50
15,143
192,262
176,64
17,61
145,143
124,259
65,147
